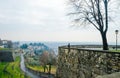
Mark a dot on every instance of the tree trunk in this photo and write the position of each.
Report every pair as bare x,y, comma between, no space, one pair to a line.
104,41
44,68
49,68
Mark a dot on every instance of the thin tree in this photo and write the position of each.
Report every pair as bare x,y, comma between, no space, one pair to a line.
93,12
44,60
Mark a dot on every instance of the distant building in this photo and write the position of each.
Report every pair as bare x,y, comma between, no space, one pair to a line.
5,43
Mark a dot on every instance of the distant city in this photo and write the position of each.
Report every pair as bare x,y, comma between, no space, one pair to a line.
50,44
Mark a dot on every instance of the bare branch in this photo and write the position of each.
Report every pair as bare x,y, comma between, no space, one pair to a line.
92,23
94,12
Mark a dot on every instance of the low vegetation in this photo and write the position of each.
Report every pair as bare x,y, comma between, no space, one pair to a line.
5,49
115,50
41,69
11,69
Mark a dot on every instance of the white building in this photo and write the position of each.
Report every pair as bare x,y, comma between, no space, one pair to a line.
5,44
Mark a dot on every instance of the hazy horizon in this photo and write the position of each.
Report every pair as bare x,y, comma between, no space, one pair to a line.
43,20
66,42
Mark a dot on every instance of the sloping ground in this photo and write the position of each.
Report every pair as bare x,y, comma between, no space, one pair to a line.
11,69
40,71
6,56
113,75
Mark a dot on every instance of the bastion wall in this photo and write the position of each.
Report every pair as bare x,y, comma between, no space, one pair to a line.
74,62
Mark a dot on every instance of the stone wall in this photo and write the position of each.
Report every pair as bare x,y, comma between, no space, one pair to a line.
82,63
6,56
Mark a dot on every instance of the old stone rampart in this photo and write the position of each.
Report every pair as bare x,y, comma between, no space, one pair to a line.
6,56
85,63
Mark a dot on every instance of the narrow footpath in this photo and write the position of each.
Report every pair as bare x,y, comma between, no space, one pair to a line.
27,72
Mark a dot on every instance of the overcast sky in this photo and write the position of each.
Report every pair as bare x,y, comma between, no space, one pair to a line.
45,20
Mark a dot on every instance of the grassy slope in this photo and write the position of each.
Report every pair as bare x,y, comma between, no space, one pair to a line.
11,70
40,68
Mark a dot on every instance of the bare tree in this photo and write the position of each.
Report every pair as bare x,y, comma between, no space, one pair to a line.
93,12
52,60
47,58
44,58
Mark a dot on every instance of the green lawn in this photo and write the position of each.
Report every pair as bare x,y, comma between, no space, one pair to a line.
113,50
117,51
11,69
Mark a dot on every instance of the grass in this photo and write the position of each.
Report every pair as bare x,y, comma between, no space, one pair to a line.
40,68
11,69
5,49
114,50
